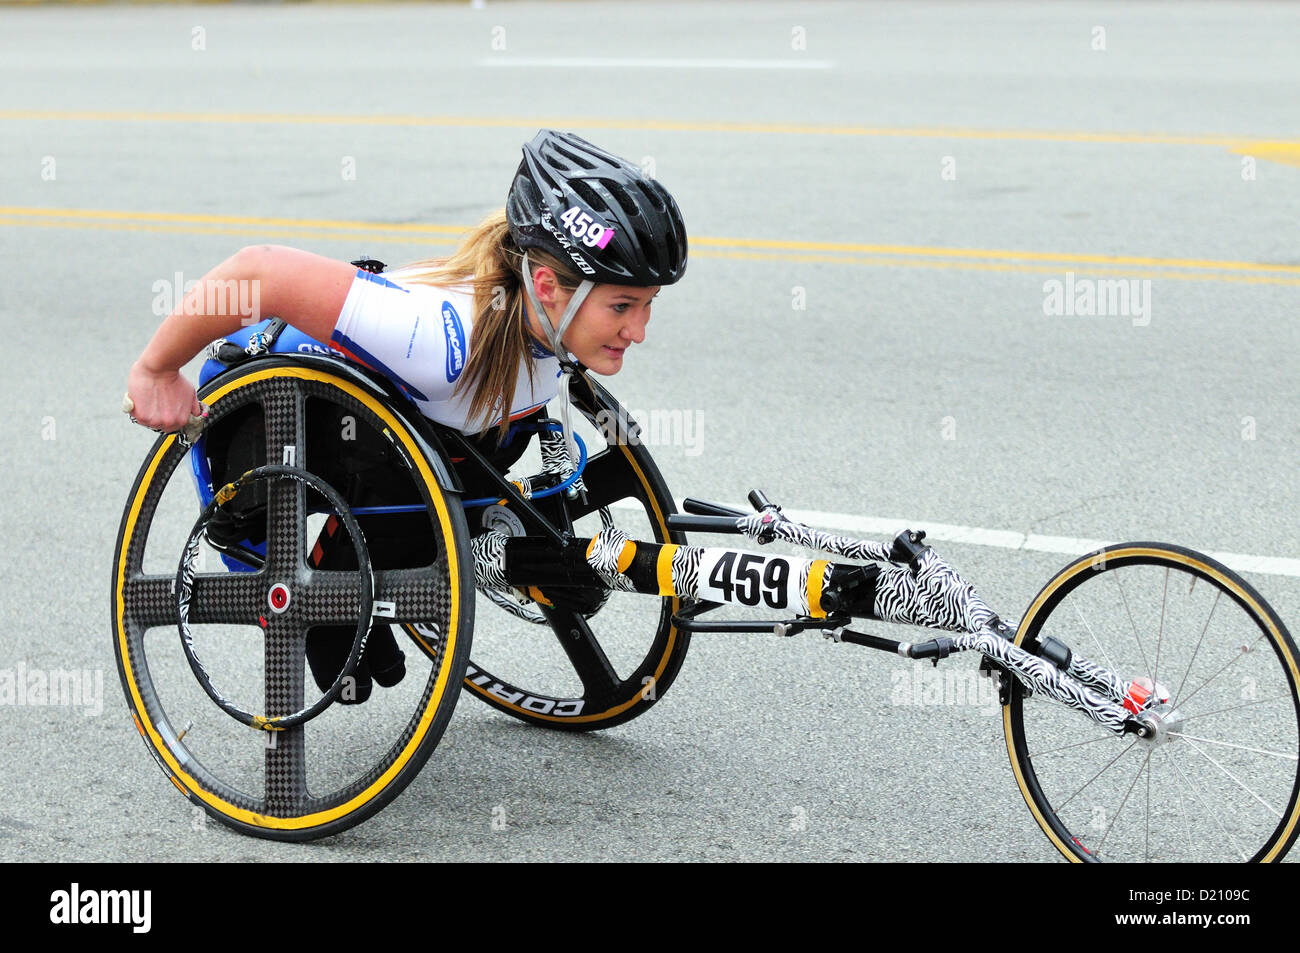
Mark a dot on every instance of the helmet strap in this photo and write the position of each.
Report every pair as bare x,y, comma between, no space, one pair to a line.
554,334
556,337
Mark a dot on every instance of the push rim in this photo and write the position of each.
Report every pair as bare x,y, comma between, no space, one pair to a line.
279,597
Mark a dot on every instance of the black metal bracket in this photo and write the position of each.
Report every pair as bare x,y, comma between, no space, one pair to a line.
705,508
704,517
783,627
702,524
997,670
1055,651
868,640
934,649
908,547
696,608
525,509
840,594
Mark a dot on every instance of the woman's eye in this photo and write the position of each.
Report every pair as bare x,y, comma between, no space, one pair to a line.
620,308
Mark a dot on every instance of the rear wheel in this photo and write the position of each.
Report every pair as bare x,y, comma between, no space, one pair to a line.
601,658
249,619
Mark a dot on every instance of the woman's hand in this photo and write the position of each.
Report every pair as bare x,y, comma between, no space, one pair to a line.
163,400
306,290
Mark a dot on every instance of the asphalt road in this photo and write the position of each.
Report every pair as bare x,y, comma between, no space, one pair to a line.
877,196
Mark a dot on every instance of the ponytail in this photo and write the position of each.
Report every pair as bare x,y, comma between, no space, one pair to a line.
490,261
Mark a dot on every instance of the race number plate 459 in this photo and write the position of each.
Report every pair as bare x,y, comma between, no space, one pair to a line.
749,579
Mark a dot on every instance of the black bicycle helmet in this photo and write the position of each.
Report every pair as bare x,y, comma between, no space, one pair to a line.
582,204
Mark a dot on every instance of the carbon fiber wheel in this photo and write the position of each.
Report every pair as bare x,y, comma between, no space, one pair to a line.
1210,666
592,669
250,615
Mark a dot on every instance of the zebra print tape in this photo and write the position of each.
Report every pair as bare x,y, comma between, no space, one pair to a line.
490,561
555,457
1098,678
490,578
609,554
1043,677
761,525
937,597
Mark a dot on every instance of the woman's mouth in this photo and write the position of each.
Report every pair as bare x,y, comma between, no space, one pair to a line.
614,351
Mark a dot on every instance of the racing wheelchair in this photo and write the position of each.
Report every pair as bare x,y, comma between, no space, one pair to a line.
1148,694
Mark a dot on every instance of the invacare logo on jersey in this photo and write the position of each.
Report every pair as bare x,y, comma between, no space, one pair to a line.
456,344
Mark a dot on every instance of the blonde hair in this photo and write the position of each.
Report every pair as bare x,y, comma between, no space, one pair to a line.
490,261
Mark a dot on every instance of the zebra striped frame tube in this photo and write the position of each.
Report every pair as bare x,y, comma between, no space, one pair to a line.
611,558
935,597
1046,679
729,576
1094,676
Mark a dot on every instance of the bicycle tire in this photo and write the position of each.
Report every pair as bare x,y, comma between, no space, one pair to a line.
623,471
291,807
1230,818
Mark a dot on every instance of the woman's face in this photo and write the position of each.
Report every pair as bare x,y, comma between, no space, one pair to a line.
611,319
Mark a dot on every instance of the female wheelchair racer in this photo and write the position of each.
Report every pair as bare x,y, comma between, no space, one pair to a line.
1221,769
585,240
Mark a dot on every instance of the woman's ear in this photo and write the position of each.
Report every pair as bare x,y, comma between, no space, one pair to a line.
545,285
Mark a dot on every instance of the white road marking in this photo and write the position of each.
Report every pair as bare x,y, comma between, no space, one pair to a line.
884,528
621,62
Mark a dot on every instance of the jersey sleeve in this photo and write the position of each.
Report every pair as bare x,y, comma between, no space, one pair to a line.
405,332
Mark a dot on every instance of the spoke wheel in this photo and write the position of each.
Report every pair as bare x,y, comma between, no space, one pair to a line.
597,662
1220,780
289,778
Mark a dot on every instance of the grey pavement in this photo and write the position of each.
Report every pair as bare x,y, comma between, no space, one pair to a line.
929,387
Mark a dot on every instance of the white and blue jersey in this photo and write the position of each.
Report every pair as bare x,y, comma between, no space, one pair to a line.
418,336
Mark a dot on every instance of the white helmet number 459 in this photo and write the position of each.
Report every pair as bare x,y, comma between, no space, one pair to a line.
584,228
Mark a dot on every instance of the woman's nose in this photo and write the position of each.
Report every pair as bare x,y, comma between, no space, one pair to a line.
634,331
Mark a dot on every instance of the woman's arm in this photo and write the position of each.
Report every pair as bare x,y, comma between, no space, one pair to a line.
305,290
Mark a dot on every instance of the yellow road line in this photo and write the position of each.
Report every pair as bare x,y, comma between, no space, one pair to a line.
843,253
187,217
1005,267
239,224
1275,151
930,250
660,125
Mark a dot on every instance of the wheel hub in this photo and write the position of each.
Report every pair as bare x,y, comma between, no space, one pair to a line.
1159,721
278,598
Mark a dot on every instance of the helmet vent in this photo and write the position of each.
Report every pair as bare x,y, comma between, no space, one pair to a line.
651,192
574,158
673,247
650,249
619,192
588,195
